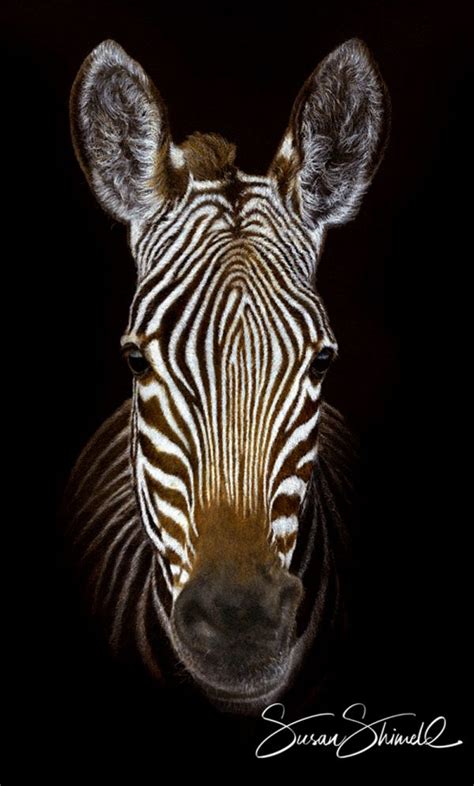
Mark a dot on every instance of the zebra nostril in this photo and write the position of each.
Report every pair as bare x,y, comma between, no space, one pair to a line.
204,631
194,624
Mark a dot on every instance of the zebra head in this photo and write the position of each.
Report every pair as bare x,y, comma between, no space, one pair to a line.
228,343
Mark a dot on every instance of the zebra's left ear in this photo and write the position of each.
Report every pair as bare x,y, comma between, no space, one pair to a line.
335,140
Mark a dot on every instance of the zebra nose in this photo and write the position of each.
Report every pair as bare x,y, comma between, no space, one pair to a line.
237,625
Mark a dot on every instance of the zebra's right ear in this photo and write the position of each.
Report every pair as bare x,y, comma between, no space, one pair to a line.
121,136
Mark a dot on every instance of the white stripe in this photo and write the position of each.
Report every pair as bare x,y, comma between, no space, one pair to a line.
289,487
171,512
284,525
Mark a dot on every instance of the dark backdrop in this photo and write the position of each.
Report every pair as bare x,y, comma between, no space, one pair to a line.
400,266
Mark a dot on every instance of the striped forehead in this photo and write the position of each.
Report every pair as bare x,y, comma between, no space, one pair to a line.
229,261
229,295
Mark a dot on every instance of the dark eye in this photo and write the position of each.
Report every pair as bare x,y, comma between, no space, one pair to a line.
322,361
136,360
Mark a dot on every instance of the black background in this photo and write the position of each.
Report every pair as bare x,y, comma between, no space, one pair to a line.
401,266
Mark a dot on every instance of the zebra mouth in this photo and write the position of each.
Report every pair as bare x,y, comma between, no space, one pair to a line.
244,701
247,696
245,690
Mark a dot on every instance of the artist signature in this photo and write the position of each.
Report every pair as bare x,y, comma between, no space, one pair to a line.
362,734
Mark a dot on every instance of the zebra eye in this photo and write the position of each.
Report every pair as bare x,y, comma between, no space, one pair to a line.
322,361
137,362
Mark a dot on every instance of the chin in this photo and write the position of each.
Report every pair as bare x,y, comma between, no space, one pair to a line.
251,700
243,689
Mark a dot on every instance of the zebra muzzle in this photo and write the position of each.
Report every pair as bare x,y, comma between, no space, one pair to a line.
236,635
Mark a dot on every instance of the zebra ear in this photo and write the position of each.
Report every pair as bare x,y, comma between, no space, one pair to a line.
120,134
336,136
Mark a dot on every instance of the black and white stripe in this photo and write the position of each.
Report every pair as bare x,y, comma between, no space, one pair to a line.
226,431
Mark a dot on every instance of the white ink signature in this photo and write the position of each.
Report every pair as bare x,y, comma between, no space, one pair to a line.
363,737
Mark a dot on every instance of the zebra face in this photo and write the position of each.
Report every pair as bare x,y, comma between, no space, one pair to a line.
228,343
232,344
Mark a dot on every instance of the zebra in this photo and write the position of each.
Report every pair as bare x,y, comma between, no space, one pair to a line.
203,515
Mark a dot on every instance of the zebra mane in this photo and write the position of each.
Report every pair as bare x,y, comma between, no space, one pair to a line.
208,156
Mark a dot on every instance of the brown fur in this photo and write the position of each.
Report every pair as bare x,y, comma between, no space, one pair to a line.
240,547
209,156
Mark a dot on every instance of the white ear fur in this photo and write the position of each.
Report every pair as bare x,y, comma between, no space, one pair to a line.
336,136
120,132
